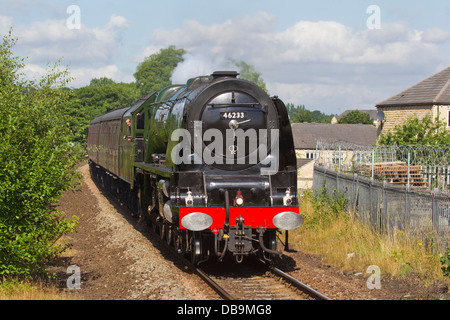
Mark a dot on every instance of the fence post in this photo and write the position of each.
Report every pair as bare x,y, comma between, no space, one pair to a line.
435,209
409,169
339,158
407,207
316,155
385,208
373,164
438,239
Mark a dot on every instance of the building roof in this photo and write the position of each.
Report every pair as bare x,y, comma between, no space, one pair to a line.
431,91
306,135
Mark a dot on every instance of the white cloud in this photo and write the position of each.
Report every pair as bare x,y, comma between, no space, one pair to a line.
146,52
242,37
436,35
305,42
84,75
50,40
322,96
89,52
195,65
81,76
325,63
5,24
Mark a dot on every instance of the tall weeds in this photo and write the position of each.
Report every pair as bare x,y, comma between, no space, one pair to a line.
348,244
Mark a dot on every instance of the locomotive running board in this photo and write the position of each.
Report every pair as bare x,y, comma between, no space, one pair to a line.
158,170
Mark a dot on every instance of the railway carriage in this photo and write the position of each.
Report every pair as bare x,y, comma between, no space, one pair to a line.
210,165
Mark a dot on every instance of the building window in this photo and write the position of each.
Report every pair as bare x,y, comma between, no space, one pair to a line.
310,155
448,119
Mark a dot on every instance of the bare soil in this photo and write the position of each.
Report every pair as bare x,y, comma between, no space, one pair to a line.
121,259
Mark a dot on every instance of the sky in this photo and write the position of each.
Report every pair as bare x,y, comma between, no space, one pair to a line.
328,55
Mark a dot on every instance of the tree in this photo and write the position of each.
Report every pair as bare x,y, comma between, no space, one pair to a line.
300,114
155,71
37,164
249,73
356,117
100,82
101,96
416,131
319,117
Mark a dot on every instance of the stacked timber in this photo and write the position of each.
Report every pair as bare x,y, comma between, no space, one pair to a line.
395,172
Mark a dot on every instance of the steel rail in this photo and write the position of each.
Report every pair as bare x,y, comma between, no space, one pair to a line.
216,287
316,294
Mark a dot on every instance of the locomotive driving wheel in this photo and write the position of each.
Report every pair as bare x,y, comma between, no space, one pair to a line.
181,241
162,229
168,234
195,247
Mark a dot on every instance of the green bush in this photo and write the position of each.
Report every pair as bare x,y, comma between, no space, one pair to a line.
327,206
37,164
445,262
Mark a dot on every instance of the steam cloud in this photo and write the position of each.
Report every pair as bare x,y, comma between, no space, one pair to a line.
200,65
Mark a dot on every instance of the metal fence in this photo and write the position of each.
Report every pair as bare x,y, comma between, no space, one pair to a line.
389,193
425,167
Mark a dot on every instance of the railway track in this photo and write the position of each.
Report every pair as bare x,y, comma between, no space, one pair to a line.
256,280
252,280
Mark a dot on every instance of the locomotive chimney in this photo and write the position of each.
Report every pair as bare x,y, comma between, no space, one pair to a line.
221,74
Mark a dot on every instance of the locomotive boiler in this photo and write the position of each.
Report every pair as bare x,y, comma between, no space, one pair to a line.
210,165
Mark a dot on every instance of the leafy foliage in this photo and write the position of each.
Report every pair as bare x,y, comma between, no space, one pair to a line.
249,73
445,262
356,117
101,96
300,114
327,207
38,164
416,131
155,71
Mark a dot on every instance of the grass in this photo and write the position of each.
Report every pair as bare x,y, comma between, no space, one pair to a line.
27,290
346,243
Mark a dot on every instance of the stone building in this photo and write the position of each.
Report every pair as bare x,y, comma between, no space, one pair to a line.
429,97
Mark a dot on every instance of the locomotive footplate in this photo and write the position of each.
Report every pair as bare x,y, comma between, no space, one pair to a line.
240,242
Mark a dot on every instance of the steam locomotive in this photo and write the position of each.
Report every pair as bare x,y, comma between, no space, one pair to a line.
210,165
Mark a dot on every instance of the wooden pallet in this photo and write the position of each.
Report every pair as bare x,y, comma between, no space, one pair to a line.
395,172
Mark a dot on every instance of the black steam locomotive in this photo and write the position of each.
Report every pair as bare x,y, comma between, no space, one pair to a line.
210,165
